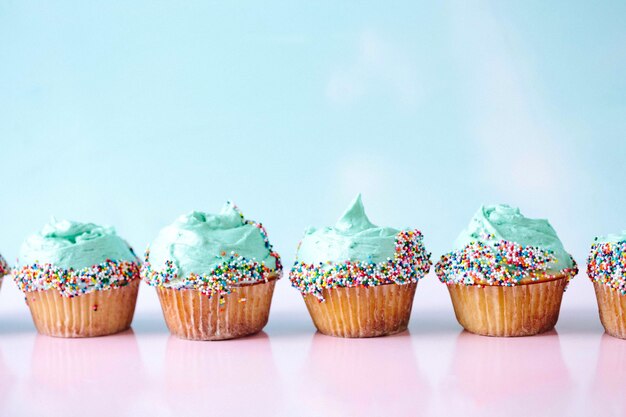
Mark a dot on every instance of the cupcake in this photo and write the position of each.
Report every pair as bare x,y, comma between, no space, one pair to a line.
214,274
4,269
606,267
507,274
79,279
359,279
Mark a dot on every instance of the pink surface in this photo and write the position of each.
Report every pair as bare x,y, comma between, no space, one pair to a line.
434,369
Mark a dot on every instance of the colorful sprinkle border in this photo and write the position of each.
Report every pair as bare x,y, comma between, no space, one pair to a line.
505,263
606,265
410,263
4,267
234,271
71,283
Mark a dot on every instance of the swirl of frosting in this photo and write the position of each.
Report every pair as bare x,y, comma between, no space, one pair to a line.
74,245
502,247
352,238
355,252
606,263
75,258
495,223
206,245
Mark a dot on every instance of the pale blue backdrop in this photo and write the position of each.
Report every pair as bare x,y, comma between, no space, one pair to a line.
131,113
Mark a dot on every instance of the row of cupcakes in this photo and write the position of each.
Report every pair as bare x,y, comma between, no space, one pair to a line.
215,275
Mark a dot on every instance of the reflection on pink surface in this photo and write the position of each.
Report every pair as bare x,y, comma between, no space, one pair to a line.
516,376
7,382
361,377
229,377
99,376
610,379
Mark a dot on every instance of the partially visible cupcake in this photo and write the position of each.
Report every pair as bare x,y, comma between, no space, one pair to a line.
606,267
214,273
4,269
359,279
79,279
507,273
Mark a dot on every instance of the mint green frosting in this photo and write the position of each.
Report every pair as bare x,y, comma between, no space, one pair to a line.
612,238
197,242
494,223
352,238
68,244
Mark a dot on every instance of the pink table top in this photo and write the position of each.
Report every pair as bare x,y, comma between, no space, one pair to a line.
433,369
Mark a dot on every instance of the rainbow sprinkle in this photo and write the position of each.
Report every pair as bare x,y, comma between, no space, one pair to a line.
71,283
607,265
233,271
505,263
4,267
410,263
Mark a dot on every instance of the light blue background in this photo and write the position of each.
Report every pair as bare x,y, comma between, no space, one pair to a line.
131,113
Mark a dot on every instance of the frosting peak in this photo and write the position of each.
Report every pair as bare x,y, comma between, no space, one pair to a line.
354,219
352,238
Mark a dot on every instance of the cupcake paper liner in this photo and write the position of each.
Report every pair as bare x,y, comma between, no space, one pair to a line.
97,313
190,314
612,310
362,311
520,310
